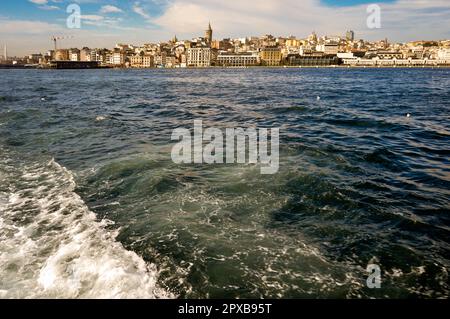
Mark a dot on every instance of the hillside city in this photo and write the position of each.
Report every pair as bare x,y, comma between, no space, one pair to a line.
246,52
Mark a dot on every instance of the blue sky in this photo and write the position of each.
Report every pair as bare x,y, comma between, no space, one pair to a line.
27,25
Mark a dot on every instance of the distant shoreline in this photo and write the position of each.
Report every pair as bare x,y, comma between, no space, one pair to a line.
22,67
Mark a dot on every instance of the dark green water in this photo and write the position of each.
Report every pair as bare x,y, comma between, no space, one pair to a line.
91,204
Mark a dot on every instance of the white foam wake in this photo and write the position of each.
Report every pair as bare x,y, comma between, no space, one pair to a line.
52,246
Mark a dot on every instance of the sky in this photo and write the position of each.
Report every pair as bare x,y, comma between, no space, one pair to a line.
26,26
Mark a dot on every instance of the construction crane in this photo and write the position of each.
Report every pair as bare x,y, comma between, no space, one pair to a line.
55,40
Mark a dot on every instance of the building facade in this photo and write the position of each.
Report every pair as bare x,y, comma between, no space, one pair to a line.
328,48
444,54
201,57
74,55
137,61
85,55
313,60
147,61
389,55
62,55
238,60
118,58
270,56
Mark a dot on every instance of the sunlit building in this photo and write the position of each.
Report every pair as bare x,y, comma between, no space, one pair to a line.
238,59
201,57
270,56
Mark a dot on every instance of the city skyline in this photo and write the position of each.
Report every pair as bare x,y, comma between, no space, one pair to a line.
27,25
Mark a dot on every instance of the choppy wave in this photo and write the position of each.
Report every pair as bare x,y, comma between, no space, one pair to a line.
52,246
359,182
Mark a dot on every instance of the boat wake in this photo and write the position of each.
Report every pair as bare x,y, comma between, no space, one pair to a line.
52,246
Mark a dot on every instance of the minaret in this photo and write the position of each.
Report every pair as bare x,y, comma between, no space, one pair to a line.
209,34
5,55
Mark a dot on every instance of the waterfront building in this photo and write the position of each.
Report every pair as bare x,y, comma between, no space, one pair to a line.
99,55
238,59
360,62
171,61
389,55
270,56
74,64
109,57
74,55
314,59
137,61
62,55
118,58
346,55
34,58
183,61
160,59
147,61
85,54
376,62
201,57
443,54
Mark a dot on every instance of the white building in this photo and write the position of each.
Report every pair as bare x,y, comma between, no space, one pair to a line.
444,54
75,56
346,55
238,60
118,58
328,48
200,57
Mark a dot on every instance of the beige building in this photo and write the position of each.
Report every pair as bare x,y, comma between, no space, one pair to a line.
147,61
85,54
137,61
62,55
160,59
270,56
293,43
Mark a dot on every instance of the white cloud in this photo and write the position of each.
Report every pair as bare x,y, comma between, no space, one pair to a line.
110,9
139,10
92,17
27,27
48,7
403,20
44,4
39,1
